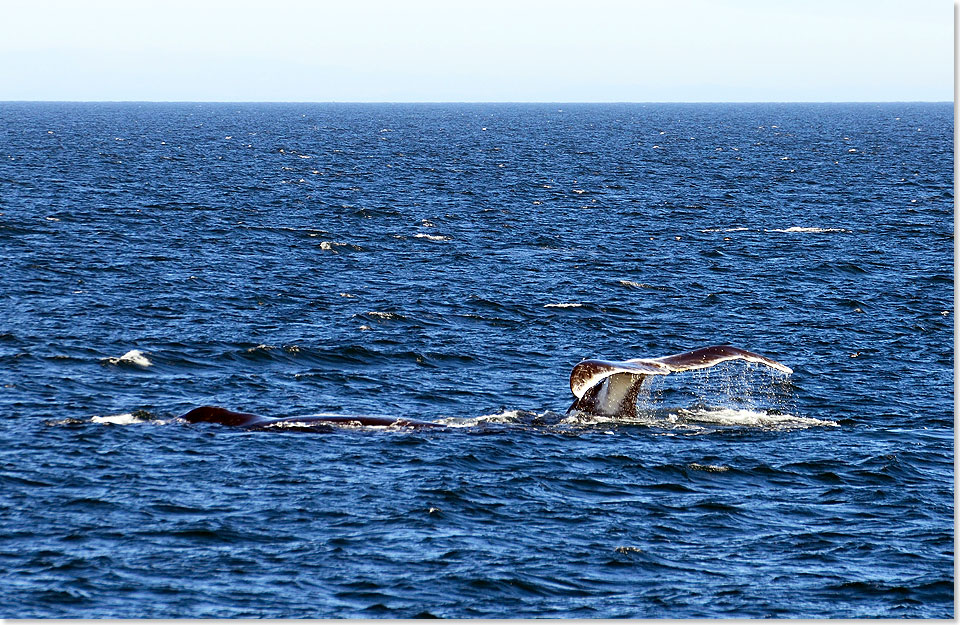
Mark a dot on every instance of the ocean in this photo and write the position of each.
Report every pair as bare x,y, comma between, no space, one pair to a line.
452,263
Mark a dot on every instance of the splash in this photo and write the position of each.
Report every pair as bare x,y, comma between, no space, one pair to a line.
730,395
746,418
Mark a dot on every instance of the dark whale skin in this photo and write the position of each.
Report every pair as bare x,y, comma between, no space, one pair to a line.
216,414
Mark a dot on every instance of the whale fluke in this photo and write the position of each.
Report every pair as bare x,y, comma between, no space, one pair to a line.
610,387
215,414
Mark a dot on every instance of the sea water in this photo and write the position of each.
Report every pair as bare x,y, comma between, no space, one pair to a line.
453,263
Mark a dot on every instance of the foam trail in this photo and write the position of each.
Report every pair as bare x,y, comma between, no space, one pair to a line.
741,417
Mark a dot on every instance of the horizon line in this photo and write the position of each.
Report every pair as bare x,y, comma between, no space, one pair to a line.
26,101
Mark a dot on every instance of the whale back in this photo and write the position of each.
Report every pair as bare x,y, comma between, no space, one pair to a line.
215,414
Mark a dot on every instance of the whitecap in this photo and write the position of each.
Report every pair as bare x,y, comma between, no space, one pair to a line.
641,285
709,468
736,229
133,357
807,229
260,348
432,237
564,305
385,314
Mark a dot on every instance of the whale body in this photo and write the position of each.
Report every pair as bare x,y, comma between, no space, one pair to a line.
609,388
600,387
215,414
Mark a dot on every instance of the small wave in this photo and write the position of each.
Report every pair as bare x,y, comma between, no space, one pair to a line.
133,357
709,468
736,229
642,285
260,348
563,305
382,314
807,230
431,237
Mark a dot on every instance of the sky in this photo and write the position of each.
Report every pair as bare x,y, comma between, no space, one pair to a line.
478,51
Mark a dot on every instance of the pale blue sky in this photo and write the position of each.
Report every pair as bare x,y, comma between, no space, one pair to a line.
489,50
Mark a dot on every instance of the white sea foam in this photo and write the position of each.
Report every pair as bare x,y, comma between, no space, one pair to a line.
807,229
260,348
129,418
117,419
641,285
432,237
750,418
505,417
710,468
384,314
563,305
736,229
133,357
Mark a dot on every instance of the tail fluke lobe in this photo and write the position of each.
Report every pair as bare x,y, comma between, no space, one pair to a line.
714,355
610,387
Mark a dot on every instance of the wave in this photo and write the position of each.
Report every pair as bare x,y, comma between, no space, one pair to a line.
331,246
804,229
790,230
642,285
134,357
564,305
385,314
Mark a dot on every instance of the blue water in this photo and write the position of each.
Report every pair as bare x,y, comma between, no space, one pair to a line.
452,263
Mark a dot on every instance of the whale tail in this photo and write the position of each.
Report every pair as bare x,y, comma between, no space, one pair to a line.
610,387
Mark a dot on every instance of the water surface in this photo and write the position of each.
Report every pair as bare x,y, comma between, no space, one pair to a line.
452,263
